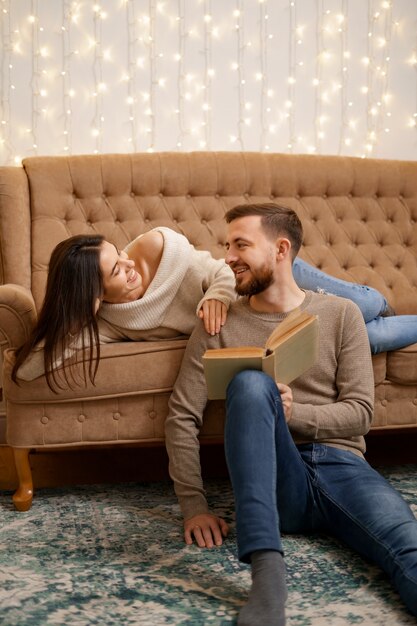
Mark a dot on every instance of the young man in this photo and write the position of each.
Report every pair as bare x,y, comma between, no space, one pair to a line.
295,455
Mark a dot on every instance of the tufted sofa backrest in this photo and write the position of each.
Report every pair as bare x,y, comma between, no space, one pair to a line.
359,215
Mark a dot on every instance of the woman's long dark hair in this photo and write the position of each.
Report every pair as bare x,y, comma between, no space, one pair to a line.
68,313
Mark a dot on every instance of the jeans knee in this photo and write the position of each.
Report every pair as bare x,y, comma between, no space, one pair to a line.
251,386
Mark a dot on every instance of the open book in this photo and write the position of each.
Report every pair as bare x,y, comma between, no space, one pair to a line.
289,351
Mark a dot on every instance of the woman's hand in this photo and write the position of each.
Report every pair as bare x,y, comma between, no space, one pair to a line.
213,313
286,399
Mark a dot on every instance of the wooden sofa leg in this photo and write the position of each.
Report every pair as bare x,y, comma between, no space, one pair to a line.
22,498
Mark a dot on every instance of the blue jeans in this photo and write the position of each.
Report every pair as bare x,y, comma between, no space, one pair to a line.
313,487
385,333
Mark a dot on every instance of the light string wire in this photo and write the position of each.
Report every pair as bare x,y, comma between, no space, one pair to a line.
344,73
131,73
207,105
152,74
99,86
66,75
263,55
414,62
182,129
240,37
6,82
370,96
384,108
318,76
369,74
34,82
292,64
377,74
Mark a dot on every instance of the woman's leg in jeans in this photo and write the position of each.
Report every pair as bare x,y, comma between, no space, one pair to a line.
392,333
369,300
364,511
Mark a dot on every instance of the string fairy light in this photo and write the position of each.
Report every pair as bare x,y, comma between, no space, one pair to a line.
385,71
6,81
240,70
34,83
66,75
292,61
99,85
152,74
318,80
263,46
376,89
182,131
208,73
130,77
413,62
344,140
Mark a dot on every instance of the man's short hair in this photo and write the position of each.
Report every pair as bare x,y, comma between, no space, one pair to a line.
276,220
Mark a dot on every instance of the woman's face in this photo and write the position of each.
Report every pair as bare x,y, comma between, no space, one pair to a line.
121,282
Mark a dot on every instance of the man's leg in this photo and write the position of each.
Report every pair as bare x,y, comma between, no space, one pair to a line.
258,444
362,509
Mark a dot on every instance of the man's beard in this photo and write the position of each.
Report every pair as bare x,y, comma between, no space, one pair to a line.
261,281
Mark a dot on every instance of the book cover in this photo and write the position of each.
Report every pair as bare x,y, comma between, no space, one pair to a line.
291,349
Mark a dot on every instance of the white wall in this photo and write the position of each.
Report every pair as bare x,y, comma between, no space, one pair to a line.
319,76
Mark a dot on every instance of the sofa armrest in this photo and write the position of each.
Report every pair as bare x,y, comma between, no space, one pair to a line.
17,315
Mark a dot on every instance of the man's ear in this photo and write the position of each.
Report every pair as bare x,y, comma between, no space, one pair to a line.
283,246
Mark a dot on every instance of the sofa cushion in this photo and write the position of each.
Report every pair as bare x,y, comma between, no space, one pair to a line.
126,368
402,365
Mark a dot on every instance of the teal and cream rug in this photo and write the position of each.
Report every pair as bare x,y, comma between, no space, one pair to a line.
112,555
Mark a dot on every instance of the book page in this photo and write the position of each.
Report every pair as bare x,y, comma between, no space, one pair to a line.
296,319
295,354
227,353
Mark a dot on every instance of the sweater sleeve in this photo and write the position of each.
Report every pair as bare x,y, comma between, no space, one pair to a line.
185,417
349,414
217,279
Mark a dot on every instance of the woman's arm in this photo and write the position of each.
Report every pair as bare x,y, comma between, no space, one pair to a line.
218,284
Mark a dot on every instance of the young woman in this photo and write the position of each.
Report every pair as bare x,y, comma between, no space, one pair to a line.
152,290
97,294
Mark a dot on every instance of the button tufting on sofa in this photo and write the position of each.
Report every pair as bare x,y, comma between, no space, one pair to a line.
81,418
44,419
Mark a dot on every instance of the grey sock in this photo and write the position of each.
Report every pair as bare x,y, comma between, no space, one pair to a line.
268,594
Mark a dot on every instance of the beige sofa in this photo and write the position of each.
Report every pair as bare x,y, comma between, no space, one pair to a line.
359,218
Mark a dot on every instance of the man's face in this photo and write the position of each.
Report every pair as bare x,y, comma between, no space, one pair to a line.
251,255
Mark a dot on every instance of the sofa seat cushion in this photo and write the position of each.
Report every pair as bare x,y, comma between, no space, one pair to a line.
402,365
126,368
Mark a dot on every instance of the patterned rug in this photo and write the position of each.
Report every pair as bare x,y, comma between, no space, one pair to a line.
112,555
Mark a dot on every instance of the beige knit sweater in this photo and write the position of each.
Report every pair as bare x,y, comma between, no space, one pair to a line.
333,401
185,278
